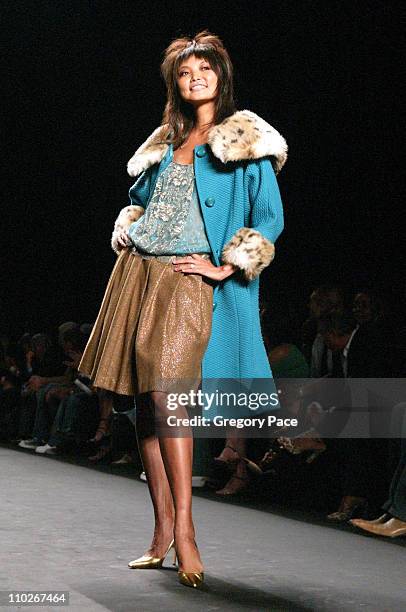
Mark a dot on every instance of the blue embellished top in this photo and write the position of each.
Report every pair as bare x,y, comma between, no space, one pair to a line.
172,223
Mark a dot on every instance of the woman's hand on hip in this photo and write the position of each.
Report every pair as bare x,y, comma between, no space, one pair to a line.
196,264
123,239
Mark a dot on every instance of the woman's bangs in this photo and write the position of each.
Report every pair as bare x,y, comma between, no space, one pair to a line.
200,51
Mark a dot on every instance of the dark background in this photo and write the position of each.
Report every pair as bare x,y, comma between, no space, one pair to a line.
83,91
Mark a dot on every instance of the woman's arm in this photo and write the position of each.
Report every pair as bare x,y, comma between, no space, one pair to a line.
139,195
252,248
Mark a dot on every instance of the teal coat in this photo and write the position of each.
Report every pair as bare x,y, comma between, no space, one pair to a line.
238,193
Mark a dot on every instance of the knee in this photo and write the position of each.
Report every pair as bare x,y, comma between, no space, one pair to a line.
159,403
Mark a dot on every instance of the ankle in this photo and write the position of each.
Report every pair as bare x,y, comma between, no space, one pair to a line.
184,531
188,554
164,528
164,520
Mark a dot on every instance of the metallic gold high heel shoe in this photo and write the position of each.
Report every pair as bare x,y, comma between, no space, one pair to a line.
190,579
149,562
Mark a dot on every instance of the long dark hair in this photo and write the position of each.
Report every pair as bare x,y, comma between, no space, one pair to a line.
178,114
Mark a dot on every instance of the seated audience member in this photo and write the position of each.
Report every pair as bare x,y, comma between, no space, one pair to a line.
13,361
362,349
77,412
80,416
10,396
50,390
360,355
69,411
42,361
371,310
124,448
367,308
106,400
24,355
76,418
63,328
86,329
25,342
324,301
102,435
356,352
392,523
286,361
119,410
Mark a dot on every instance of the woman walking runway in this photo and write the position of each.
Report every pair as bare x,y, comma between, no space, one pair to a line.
182,300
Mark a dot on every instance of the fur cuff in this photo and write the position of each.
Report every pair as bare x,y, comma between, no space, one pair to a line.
127,215
250,251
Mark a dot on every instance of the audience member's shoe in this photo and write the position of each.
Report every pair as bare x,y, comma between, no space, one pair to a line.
46,449
394,528
358,522
229,457
307,443
253,467
230,460
102,453
125,459
32,443
268,461
102,431
235,486
349,506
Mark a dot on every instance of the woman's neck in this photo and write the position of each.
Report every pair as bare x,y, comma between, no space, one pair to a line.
203,121
204,116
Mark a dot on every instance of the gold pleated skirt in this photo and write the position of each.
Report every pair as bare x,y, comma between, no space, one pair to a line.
152,329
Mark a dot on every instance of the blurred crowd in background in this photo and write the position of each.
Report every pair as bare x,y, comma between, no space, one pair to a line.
48,407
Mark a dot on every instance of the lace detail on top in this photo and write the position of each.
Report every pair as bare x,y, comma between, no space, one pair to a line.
172,222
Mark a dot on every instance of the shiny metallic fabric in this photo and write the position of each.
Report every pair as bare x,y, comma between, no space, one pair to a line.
152,328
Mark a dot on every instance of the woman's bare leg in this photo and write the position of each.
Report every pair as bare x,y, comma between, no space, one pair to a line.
177,455
157,480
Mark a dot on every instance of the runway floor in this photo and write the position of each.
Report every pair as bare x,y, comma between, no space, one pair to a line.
67,527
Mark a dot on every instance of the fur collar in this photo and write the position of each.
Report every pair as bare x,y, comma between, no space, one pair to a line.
241,136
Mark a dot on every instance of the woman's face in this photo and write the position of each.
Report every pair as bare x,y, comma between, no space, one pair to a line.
196,80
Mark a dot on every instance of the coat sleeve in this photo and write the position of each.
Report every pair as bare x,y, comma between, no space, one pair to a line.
139,195
252,248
